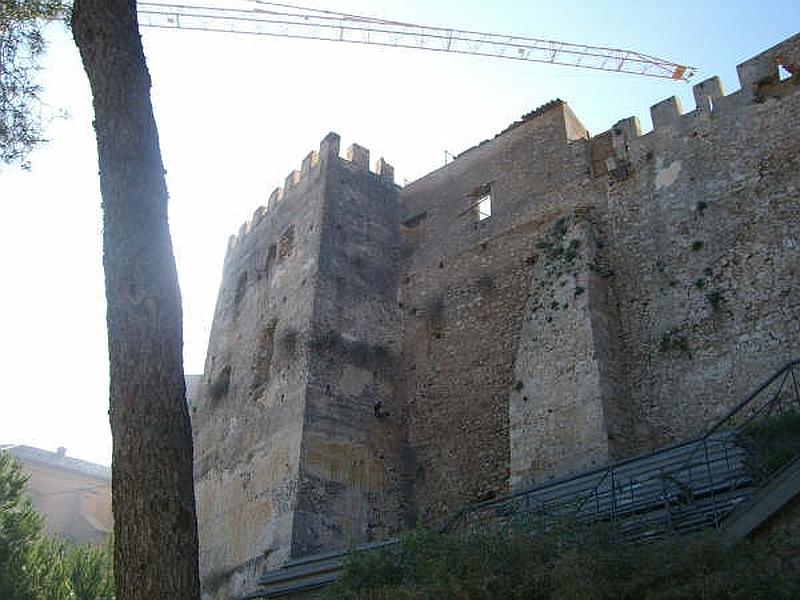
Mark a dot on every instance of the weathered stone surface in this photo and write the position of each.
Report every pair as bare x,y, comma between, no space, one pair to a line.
290,456
558,414
380,355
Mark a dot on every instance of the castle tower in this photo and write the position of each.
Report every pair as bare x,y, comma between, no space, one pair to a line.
296,436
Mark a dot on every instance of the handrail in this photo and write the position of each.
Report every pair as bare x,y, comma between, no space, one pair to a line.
582,496
731,413
785,371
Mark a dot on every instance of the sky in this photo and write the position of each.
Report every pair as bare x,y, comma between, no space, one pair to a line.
237,113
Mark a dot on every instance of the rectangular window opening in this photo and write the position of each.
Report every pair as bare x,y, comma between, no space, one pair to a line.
286,243
485,207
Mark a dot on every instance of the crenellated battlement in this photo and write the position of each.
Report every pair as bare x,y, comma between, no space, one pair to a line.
359,157
706,92
759,77
329,148
666,113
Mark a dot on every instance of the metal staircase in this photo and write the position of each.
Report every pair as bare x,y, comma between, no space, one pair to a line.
733,477
676,490
673,490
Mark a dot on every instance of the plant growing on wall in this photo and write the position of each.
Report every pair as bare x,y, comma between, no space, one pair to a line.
673,341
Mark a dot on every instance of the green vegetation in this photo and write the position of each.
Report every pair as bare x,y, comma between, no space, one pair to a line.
572,250
560,228
554,246
715,299
581,564
601,270
774,441
34,567
671,341
22,44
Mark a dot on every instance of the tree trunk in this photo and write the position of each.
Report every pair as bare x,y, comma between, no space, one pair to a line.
155,528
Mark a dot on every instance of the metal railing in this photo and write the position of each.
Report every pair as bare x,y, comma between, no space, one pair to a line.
679,489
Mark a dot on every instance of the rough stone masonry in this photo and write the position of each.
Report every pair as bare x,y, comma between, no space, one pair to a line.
546,303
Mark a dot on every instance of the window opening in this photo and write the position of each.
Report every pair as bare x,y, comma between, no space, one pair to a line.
263,358
485,207
286,243
272,252
480,202
783,73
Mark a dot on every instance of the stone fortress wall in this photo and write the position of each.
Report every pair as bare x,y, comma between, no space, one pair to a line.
382,355
289,458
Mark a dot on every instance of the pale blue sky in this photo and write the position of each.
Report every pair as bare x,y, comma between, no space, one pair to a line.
237,114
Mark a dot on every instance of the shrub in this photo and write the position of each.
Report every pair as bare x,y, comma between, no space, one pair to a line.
34,567
568,563
774,442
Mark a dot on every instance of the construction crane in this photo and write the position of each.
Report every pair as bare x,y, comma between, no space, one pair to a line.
260,17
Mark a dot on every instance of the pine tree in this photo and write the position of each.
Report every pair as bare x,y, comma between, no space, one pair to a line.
89,570
23,566
35,567
21,46
155,526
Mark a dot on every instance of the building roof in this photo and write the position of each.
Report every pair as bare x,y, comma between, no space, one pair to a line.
58,459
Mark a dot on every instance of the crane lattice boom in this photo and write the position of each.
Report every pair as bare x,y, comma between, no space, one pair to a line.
292,21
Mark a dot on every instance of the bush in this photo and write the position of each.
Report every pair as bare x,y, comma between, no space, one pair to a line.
773,442
22,567
91,571
34,567
571,563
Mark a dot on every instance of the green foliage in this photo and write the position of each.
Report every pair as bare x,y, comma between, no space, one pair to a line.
560,565
572,250
20,534
774,441
21,46
672,341
716,299
91,571
601,270
34,567
560,227
46,572
554,245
